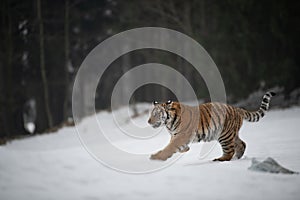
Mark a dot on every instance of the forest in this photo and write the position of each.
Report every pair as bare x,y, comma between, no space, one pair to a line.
255,45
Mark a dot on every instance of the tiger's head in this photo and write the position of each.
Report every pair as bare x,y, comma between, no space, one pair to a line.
161,114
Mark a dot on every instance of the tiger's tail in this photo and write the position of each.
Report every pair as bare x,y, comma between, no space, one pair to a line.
254,116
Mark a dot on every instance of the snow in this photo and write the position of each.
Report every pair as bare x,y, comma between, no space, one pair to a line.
57,166
30,127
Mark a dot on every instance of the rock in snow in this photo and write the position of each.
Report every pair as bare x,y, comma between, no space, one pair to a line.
269,165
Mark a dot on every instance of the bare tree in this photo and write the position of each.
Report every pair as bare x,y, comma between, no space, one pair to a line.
67,59
42,64
8,57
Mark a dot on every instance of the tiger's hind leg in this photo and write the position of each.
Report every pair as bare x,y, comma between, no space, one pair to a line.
227,142
239,147
228,151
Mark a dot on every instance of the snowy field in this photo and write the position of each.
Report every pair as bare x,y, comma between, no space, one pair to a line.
56,166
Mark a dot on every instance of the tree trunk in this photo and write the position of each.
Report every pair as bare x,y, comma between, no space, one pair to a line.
42,64
8,106
67,60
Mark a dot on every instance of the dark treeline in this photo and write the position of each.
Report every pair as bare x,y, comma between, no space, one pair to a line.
43,43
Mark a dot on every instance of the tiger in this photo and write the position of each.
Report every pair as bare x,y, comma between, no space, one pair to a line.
205,122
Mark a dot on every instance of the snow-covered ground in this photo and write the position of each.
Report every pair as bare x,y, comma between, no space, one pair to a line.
56,166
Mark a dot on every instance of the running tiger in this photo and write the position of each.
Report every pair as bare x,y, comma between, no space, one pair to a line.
206,122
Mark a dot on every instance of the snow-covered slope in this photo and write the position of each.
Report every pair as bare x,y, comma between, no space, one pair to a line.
56,166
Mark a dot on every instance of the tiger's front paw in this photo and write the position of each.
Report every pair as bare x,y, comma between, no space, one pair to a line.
158,156
183,149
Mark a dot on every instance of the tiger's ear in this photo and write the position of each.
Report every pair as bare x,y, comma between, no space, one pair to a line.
155,103
169,102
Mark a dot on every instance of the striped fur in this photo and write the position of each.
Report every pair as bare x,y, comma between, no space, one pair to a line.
257,115
206,122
